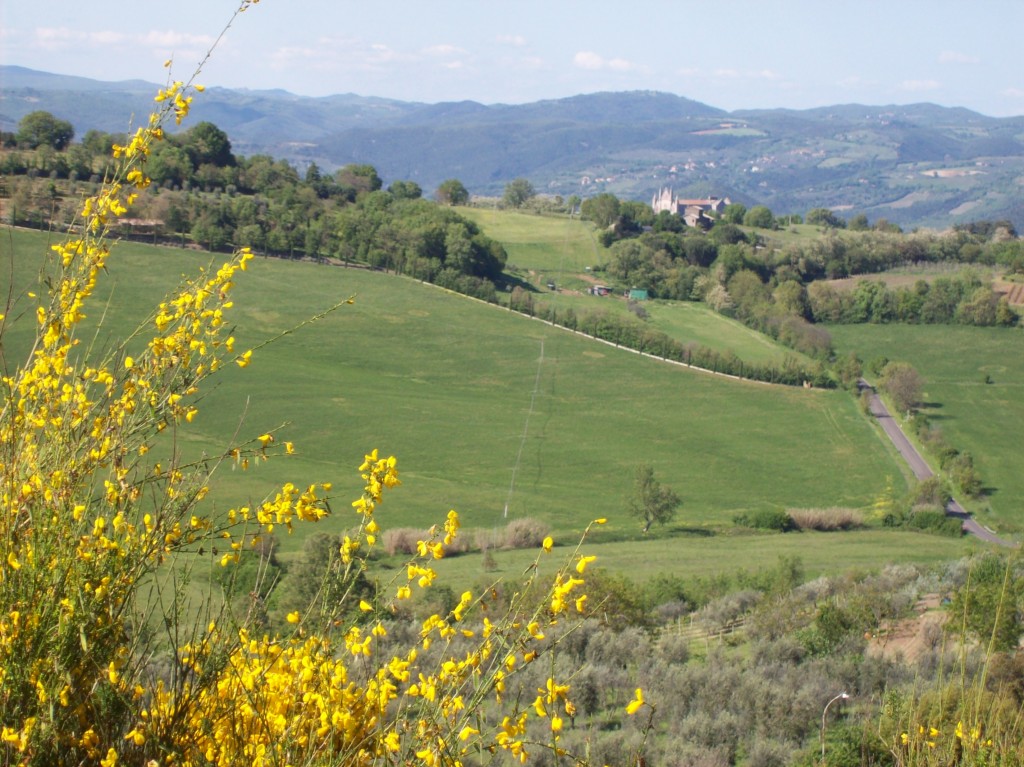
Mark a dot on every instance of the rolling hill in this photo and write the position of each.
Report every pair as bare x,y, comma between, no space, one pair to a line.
490,412
915,165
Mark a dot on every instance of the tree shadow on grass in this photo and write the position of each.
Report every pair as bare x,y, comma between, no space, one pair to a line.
692,532
507,283
930,410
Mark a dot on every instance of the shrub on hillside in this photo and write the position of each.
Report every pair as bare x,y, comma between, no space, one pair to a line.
826,520
926,518
673,649
765,519
930,492
524,533
729,609
406,541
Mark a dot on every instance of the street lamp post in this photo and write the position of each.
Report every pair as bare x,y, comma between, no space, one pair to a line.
840,696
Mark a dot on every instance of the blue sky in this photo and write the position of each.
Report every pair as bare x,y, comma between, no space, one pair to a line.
732,54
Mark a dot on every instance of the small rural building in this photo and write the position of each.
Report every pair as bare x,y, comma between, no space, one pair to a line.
637,294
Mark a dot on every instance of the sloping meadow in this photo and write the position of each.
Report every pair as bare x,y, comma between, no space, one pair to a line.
491,413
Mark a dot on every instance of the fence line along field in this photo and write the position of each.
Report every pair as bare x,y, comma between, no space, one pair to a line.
455,379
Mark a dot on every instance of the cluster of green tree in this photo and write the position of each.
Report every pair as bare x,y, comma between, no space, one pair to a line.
634,334
204,193
922,508
618,219
861,250
43,146
39,128
963,299
725,273
423,240
690,265
836,255
201,192
778,290
958,465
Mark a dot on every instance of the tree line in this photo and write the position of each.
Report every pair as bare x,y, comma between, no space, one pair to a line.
633,333
736,267
203,194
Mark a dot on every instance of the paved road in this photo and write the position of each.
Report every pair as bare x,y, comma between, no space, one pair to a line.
920,468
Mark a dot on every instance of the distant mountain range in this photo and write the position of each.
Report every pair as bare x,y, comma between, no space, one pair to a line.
915,165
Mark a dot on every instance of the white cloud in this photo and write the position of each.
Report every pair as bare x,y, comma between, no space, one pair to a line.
378,53
173,39
594,61
443,50
515,40
55,38
916,86
758,74
288,54
955,57
588,60
107,37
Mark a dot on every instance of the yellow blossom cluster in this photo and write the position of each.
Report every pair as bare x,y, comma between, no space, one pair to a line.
928,743
100,516
270,702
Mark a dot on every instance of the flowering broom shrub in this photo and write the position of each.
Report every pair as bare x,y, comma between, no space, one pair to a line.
99,662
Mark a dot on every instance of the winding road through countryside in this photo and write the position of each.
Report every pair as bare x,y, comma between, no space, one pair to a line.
920,468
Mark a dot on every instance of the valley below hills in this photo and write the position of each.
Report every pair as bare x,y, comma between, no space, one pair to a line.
918,165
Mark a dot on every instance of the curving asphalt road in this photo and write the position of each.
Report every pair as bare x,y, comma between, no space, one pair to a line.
920,468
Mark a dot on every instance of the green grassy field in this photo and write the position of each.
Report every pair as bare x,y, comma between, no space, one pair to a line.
487,409
557,249
704,557
981,418
688,322
908,276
